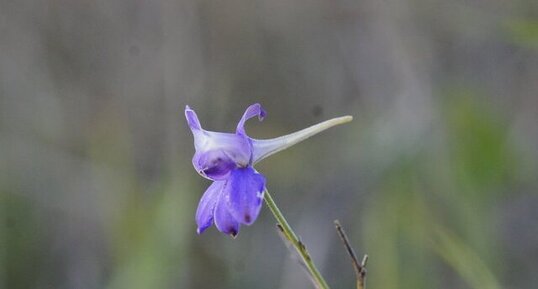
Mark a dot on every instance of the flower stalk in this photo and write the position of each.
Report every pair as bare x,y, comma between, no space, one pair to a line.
290,235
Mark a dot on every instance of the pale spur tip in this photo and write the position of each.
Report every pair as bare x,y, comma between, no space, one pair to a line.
346,118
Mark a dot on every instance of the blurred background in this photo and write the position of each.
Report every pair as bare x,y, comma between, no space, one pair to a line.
436,177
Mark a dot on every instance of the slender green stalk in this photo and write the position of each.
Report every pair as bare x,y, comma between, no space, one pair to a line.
288,232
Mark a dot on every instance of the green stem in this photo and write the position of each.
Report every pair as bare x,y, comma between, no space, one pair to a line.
288,232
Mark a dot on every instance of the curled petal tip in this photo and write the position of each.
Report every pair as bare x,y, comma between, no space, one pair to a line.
262,113
251,111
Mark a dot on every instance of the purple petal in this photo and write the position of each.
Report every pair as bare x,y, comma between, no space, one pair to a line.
245,188
192,119
224,221
214,165
218,153
252,111
206,207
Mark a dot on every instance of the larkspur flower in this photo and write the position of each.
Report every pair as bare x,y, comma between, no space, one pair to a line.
236,194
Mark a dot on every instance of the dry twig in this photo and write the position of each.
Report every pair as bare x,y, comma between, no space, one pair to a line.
360,268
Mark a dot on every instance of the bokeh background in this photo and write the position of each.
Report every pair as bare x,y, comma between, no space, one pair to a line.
436,177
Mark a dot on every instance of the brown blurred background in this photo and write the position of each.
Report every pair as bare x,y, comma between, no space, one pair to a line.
436,177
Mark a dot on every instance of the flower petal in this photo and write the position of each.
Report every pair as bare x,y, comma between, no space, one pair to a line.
244,193
192,119
252,111
214,164
224,221
218,153
206,207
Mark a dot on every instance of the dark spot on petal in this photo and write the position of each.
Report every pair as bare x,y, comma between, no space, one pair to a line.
248,218
233,232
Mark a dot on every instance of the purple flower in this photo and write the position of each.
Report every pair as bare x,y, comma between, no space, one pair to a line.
236,194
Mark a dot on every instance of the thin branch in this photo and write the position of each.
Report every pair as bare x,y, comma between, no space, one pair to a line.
299,246
294,255
359,268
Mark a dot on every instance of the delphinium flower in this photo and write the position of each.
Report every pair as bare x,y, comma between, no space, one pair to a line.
236,194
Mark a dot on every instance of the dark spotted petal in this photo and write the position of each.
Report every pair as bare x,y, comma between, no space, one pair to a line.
245,188
224,221
252,111
214,165
206,207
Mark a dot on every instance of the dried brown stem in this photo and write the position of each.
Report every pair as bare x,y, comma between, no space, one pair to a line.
360,268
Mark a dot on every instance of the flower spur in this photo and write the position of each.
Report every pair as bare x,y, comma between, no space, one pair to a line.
236,194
